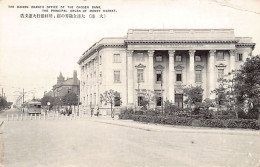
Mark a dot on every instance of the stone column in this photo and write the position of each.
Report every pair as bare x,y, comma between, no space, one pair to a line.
232,60
130,78
171,75
150,70
211,73
191,71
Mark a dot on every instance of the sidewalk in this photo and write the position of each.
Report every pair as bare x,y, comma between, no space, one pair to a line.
172,128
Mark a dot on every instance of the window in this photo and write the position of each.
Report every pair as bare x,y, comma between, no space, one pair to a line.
179,100
100,59
116,76
198,76
159,101
178,58
178,77
239,57
197,58
140,75
140,100
158,76
159,58
220,73
117,101
220,55
140,57
117,58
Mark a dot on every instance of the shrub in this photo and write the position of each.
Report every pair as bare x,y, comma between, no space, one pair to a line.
126,113
183,121
153,112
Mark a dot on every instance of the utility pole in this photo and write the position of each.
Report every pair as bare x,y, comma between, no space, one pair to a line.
23,100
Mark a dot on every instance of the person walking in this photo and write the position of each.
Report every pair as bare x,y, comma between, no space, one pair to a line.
97,111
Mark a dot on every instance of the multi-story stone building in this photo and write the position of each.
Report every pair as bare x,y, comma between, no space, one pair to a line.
62,87
161,60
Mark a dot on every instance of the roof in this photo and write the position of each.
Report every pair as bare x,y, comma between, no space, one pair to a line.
159,36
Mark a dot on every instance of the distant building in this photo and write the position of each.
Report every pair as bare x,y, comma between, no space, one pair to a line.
161,60
65,86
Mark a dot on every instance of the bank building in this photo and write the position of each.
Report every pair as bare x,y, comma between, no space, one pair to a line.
161,60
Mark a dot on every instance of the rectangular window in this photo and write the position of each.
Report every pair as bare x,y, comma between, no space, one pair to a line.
159,58
178,77
140,100
117,58
239,57
100,59
220,73
179,100
116,76
220,55
117,101
140,57
140,75
198,58
158,76
159,101
178,58
198,76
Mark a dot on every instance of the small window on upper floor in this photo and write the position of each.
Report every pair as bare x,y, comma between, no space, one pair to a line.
220,55
100,60
117,58
178,58
159,58
239,57
198,58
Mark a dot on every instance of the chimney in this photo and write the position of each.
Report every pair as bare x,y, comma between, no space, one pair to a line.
75,78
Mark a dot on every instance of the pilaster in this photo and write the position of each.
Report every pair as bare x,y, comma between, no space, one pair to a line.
191,68
171,75
211,73
150,69
130,81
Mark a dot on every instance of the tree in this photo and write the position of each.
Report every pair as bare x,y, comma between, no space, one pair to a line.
225,93
111,97
47,99
3,103
70,99
148,98
247,84
194,95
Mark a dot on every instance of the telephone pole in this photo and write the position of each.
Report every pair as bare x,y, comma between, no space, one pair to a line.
23,100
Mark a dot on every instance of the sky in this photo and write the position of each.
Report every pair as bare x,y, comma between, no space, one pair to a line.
34,51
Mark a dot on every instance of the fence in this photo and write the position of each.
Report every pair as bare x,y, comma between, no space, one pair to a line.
21,117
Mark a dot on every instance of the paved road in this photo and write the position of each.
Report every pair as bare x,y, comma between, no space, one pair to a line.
106,142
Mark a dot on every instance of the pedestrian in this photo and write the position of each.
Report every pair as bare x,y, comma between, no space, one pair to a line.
97,111
92,110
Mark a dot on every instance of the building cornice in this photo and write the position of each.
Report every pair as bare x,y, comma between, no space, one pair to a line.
246,45
96,48
178,41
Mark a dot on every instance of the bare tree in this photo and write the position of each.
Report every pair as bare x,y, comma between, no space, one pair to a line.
111,97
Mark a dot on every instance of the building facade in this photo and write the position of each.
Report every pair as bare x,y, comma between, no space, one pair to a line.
64,86
160,60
